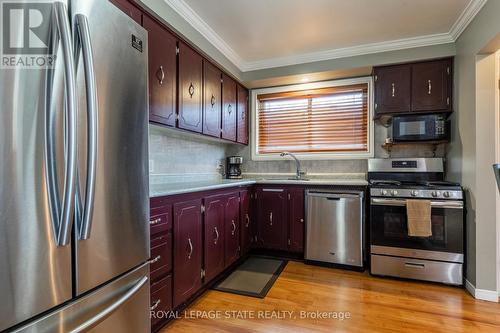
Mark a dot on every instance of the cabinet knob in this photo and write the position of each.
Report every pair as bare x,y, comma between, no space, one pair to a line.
156,259
393,89
271,218
155,221
216,235
160,75
301,220
191,90
212,101
429,82
190,248
229,108
233,230
155,305
248,220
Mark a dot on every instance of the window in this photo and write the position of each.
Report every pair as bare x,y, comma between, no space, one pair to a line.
324,120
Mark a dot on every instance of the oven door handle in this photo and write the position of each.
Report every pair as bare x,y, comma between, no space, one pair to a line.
402,202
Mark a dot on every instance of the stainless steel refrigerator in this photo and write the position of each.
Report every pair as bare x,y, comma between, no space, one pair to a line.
74,203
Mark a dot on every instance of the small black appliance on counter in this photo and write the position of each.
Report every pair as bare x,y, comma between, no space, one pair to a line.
233,167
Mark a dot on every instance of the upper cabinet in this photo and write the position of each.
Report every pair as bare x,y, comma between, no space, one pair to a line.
212,104
162,73
431,86
242,115
190,89
392,89
128,8
228,108
416,87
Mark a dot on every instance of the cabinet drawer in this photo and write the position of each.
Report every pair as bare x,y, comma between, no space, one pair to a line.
161,299
161,259
161,220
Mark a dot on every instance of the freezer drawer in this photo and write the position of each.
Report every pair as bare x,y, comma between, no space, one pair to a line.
428,270
120,306
334,227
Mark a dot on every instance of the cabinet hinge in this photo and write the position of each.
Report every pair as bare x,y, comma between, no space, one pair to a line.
221,80
177,117
202,273
376,77
447,101
288,196
177,50
202,209
289,242
376,106
448,70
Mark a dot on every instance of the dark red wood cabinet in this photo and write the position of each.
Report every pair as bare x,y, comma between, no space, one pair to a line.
214,236
296,219
162,73
242,115
228,108
392,89
161,299
246,225
128,8
414,87
431,86
232,227
188,249
212,104
271,210
190,89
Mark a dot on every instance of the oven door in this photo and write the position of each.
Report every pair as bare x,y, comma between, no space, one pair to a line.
388,226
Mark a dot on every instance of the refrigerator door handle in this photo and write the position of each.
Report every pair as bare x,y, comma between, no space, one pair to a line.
61,214
110,309
82,40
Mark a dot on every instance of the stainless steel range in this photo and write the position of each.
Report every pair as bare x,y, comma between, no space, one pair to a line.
439,257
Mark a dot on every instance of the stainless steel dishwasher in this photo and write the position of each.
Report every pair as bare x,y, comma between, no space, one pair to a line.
334,227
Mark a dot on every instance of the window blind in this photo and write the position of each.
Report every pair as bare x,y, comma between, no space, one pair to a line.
313,121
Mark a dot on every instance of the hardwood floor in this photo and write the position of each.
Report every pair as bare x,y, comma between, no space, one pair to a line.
374,305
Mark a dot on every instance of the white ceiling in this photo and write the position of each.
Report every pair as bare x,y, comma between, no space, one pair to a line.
256,34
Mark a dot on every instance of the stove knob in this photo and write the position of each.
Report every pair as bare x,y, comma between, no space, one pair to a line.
446,194
434,194
414,193
384,192
394,192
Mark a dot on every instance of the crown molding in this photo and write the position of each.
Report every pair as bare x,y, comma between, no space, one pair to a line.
469,12
188,14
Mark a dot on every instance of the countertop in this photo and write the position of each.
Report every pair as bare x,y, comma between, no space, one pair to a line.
160,190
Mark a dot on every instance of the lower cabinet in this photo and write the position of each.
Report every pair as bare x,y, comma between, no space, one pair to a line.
214,262
271,210
280,218
246,225
232,226
161,299
187,249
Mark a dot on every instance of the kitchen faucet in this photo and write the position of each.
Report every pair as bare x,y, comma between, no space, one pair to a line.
299,172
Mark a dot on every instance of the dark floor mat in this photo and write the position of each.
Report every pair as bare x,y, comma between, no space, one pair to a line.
254,277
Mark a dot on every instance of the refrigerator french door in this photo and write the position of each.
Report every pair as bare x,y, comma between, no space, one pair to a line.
74,237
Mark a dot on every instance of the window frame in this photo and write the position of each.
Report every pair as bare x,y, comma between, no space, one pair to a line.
256,156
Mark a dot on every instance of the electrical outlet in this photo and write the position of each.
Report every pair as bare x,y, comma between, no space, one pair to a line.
151,165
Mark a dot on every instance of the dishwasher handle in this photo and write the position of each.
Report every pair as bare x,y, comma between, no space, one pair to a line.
334,195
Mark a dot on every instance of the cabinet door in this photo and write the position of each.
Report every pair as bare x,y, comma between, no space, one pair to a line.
392,89
296,220
212,104
214,236
232,220
190,89
242,118
272,226
162,73
245,221
187,249
228,108
431,86
129,9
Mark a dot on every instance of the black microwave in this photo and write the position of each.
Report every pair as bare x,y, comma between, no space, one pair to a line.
430,127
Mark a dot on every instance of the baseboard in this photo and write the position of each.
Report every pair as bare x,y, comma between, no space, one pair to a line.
482,294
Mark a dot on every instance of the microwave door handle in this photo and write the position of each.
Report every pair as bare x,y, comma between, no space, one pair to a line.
82,40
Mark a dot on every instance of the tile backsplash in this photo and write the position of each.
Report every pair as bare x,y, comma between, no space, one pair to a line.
177,156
